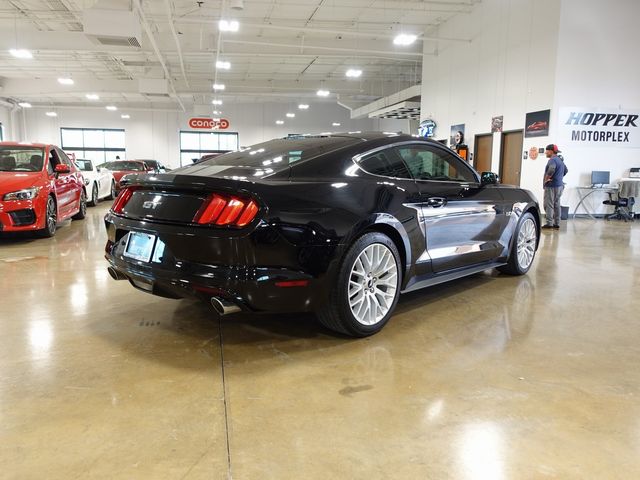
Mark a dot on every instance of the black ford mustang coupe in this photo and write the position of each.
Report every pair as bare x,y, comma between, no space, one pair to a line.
339,225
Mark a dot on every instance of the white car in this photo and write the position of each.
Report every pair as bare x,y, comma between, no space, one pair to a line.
98,180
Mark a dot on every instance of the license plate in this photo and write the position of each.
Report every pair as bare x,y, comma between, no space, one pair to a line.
139,246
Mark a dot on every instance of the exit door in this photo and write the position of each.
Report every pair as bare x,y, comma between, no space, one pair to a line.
483,149
511,158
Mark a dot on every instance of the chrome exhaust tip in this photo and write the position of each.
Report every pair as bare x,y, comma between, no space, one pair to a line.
115,274
224,307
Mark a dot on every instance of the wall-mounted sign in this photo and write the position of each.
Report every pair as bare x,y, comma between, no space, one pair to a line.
427,128
496,124
599,127
537,124
209,123
533,153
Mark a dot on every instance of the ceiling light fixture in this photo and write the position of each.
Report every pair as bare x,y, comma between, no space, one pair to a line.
335,124
228,25
65,81
216,102
223,65
279,122
323,93
125,116
404,39
111,108
236,4
218,86
21,53
217,112
303,106
92,96
24,104
353,73
291,115
51,114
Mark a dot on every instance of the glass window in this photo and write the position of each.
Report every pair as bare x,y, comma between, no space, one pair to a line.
429,163
72,137
385,163
84,164
193,145
114,139
21,159
93,138
95,144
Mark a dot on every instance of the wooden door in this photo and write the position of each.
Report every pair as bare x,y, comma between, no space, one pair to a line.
511,158
482,152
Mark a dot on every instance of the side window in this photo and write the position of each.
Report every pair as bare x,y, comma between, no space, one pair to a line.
385,163
64,158
53,159
428,163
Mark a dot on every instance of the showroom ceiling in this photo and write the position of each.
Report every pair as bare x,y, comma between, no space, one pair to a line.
166,57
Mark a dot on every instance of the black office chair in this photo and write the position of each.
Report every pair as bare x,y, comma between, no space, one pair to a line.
623,207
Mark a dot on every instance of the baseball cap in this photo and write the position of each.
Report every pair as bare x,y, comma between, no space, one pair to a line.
553,148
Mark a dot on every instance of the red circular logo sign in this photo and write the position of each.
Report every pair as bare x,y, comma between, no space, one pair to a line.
209,123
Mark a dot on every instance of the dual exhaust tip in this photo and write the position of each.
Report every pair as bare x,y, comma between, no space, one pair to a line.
220,305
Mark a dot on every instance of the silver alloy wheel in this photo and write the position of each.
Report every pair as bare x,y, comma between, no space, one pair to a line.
94,195
373,284
526,243
83,203
52,216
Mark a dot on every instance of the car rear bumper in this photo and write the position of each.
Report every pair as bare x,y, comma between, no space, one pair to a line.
188,267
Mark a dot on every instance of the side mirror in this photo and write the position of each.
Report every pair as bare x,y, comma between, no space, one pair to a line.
488,178
62,168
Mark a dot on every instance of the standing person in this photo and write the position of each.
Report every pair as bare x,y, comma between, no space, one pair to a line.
553,185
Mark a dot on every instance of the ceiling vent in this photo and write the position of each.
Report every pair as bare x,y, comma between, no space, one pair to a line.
113,28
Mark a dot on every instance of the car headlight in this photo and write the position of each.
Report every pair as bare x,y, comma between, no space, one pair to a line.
26,194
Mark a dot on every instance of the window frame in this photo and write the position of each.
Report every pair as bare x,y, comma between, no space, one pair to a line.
201,152
82,148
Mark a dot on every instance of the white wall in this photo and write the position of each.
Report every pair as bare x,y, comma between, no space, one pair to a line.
5,120
597,67
155,134
507,69
528,55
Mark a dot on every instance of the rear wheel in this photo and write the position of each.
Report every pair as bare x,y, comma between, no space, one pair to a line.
51,219
94,196
112,193
367,287
523,250
83,206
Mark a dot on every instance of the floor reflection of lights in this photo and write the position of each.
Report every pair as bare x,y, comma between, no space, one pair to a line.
482,452
40,339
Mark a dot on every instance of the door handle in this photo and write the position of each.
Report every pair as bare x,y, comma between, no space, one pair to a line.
436,202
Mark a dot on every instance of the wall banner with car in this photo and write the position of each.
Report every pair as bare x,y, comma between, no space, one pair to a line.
599,127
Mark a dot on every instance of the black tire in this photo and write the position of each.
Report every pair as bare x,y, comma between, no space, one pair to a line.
94,195
515,264
112,194
51,219
337,313
83,207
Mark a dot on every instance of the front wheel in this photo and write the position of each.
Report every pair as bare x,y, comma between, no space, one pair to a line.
523,250
51,219
367,288
112,193
94,196
82,212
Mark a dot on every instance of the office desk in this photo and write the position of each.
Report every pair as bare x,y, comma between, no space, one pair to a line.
586,192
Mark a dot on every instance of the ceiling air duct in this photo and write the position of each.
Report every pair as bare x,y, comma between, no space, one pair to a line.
112,27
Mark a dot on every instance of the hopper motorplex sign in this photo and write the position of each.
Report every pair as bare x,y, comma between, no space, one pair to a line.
599,127
209,123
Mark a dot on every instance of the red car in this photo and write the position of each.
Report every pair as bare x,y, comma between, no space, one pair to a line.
120,168
537,126
39,188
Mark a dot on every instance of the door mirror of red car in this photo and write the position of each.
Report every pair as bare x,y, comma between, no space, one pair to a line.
62,168
488,178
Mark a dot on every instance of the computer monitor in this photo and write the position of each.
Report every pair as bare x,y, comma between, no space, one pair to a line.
599,178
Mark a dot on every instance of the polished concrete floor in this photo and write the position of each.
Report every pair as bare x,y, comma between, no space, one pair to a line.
490,377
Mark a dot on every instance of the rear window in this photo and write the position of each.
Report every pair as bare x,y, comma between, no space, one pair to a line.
21,159
84,165
281,152
124,165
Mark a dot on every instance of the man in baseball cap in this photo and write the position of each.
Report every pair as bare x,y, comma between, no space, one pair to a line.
553,185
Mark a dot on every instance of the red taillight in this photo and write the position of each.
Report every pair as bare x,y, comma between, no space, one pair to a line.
121,200
292,283
221,210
